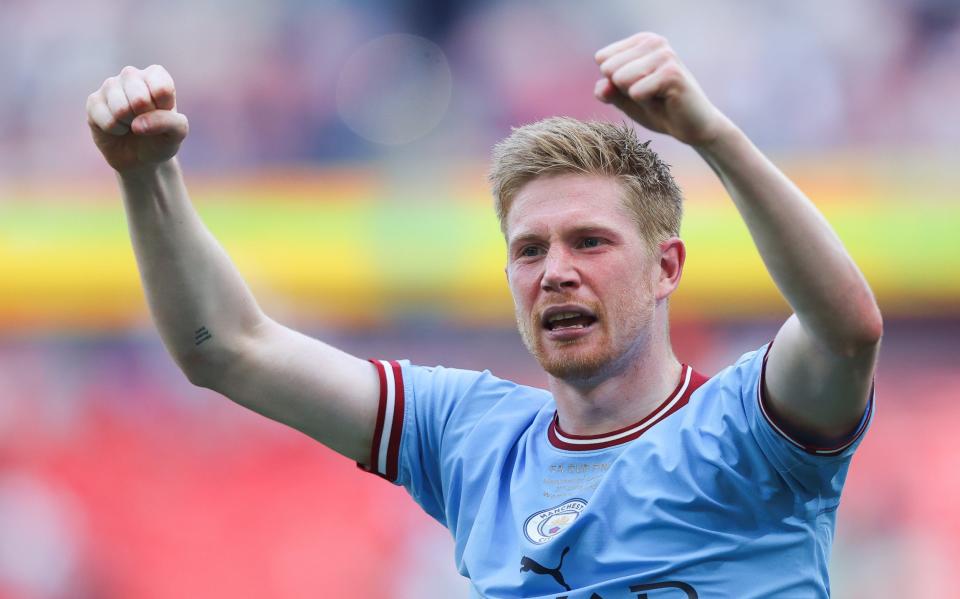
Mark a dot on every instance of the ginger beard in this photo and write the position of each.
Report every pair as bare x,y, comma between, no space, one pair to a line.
617,338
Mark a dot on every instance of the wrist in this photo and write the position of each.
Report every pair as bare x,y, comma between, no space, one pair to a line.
721,135
147,172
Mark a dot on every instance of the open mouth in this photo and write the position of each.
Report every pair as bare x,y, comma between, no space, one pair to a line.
567,318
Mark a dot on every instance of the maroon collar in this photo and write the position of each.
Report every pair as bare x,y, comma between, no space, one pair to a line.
690,380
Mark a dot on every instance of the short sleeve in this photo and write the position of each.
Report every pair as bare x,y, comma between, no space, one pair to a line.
786,453
424,417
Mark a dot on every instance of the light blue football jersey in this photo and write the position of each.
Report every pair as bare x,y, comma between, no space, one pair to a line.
706,497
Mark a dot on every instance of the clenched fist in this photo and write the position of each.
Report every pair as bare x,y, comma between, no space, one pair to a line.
134,118
643,77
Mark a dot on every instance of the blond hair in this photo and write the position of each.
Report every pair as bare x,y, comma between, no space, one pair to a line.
562,145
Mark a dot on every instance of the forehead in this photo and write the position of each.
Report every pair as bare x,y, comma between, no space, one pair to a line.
568,200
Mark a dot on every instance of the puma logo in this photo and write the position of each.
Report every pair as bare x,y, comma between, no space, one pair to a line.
527,564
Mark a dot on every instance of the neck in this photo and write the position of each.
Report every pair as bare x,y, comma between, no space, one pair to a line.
626,396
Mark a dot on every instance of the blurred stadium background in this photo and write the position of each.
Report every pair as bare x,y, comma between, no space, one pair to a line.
338,151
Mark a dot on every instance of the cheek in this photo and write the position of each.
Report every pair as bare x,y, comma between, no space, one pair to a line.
625,293
523,286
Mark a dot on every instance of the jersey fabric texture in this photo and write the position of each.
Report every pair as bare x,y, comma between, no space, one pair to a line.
706,497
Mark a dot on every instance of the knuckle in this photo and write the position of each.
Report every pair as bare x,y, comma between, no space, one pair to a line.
158,74
672,73
93,100
106,122
163,94
129,71
140,103
120,109
112,86
620,78
650,38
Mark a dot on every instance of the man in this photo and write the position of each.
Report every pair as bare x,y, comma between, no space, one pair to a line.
634,476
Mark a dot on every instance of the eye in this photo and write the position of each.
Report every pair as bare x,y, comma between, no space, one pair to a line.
529,251
591,242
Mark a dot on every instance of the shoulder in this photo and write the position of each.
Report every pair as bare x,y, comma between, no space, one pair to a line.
738,394
732,382
433,410
445,392
462,382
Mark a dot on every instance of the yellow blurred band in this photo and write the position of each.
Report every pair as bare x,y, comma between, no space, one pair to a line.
336,247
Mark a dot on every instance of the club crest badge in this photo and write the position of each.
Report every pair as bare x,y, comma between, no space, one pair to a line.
546,524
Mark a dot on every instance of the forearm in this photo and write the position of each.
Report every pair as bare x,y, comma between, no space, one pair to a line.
198,300
804,256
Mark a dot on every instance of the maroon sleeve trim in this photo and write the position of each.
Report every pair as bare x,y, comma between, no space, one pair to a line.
385,449
814,447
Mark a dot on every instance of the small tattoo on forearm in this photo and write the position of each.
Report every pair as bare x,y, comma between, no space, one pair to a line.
201,335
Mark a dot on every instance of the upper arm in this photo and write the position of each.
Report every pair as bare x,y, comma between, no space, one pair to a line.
816,393
304,383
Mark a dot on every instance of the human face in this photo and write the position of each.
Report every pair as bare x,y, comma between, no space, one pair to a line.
573,248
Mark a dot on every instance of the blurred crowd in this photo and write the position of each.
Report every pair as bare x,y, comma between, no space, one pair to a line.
278,82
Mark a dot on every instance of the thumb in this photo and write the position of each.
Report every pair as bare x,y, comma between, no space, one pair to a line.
160,122
605,91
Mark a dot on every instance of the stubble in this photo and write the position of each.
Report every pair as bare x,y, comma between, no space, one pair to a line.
620,334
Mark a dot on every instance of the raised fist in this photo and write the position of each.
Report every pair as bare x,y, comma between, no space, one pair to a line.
643,77
134,118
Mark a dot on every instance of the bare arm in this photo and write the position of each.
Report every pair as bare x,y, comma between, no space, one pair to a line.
826,352
206,315
820,369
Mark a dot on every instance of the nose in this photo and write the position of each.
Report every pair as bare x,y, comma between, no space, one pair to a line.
560,272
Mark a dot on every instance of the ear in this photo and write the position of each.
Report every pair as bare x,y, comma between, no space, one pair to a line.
672,256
